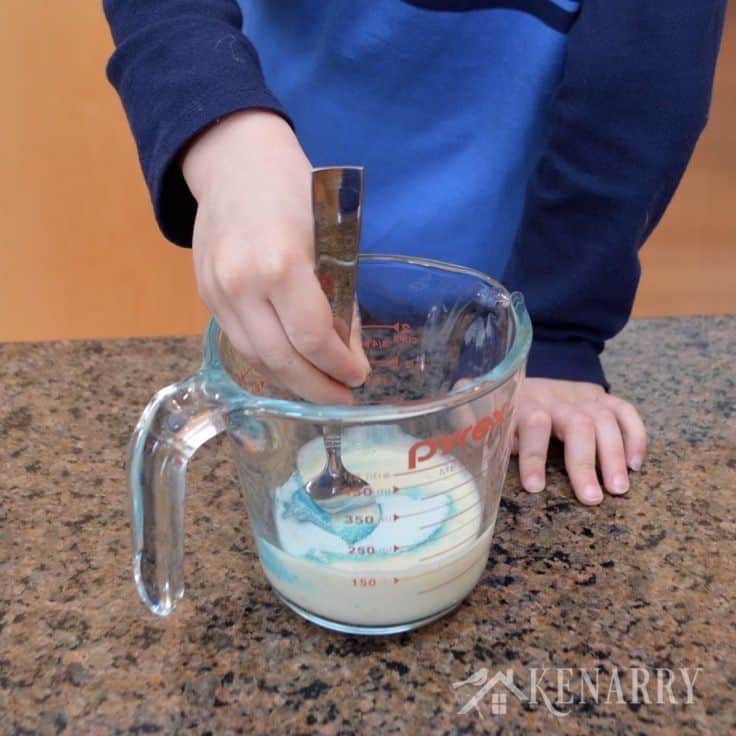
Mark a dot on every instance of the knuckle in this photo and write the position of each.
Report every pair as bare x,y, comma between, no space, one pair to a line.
231,276
313,337
584,468
605,416
534,457
592,392
538,419
613,461
274,266
311,342
621,408
615,402
580,422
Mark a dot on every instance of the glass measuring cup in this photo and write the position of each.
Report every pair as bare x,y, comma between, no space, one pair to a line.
429,431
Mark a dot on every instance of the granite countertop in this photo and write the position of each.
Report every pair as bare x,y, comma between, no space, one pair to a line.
646,579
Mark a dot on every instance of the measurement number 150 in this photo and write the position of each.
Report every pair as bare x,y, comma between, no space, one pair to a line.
364,582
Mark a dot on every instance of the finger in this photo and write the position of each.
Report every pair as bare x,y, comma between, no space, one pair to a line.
356,340
464,415
219,307
633,430
283,364
577,431
304,312
251,375
256,333
611,455
534,430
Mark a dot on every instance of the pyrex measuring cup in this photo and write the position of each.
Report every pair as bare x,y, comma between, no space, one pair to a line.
429,432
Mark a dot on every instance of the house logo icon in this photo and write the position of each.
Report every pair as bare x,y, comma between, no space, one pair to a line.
500,680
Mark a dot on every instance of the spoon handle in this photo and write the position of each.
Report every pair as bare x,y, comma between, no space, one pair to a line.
337,194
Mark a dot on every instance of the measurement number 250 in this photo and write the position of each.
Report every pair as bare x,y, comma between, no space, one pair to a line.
361,549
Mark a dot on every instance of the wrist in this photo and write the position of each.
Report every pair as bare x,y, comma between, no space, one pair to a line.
216,149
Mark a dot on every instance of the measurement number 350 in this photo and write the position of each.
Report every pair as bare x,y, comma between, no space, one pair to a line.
358,519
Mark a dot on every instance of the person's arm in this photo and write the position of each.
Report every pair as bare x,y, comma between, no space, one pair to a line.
179,66
238,191
633,100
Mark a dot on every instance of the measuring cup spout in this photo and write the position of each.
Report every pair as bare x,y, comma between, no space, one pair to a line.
178,420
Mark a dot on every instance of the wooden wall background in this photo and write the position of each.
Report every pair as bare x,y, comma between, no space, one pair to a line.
81,256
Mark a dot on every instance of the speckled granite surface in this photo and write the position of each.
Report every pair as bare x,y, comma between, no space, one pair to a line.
646,579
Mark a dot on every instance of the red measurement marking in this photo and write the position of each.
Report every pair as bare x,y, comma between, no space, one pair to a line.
373,343
390,362
453,488
375,379
443,477
405,338
364,491
258,387
368,491
396,326
327,283
429,467
452,531
437,508
240,377
447,490
446,582
364,582
454,516
449,549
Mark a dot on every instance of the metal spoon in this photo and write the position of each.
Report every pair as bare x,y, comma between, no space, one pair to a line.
336,204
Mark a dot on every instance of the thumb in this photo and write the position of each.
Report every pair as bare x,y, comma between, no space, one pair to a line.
356,339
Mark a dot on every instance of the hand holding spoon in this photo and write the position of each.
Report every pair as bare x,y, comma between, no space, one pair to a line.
336,204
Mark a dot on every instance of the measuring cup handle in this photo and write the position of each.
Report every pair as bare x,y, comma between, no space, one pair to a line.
179,419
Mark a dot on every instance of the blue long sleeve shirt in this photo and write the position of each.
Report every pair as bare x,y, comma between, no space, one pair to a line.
536,140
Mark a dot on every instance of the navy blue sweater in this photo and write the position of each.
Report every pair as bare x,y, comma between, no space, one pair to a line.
559,129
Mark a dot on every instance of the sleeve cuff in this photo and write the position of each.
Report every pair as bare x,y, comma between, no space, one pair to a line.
173,203
567,360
